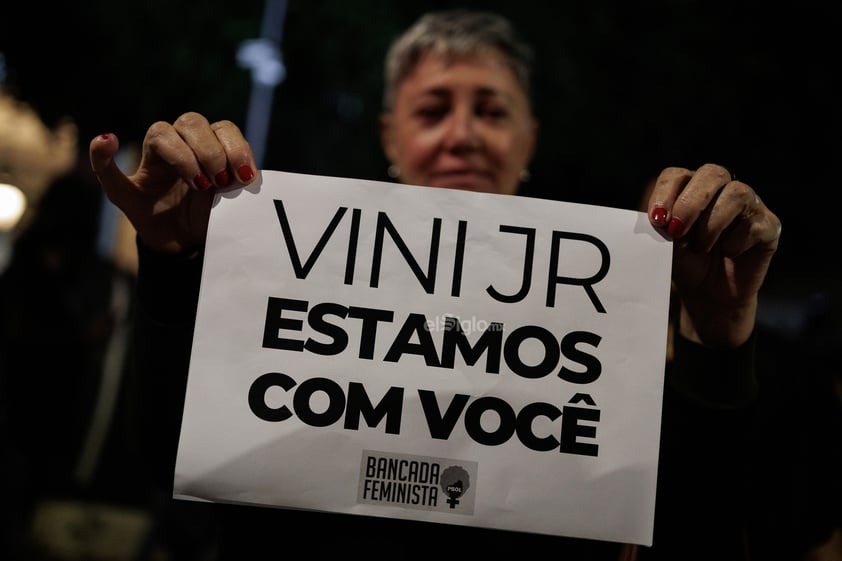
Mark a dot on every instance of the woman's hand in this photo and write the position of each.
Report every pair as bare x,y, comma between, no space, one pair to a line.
724,240
168,198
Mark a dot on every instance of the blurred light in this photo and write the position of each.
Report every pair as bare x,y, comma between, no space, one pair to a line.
263,58
12,205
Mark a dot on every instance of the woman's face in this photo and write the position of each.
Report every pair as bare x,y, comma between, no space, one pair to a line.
461,123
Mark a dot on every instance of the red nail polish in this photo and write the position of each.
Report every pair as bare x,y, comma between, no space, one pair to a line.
222,178
659,215
674,227
202,182
245,173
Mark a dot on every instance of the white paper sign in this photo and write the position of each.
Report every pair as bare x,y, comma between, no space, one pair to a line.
428,354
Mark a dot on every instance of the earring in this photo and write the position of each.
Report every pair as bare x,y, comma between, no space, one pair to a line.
393,171
524,175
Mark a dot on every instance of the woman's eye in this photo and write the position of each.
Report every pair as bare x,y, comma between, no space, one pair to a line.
492,112
432,113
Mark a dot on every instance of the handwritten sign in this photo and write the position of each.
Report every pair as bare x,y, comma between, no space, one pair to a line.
428,354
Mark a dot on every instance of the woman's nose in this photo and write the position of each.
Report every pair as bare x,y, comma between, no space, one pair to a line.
462,133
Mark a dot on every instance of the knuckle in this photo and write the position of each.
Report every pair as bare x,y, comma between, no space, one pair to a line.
223,125
672,172
157,131
716,170
740,192
190,119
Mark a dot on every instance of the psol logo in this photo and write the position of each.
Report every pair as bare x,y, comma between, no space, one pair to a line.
455,481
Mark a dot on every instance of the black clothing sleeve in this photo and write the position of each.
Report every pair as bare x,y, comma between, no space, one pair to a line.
167,293
703,470
714,378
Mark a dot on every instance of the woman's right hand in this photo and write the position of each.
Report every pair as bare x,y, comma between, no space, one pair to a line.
168,198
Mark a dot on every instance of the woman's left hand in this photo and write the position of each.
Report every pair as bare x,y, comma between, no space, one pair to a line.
724,240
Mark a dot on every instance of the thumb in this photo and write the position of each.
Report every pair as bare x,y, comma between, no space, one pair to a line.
102,150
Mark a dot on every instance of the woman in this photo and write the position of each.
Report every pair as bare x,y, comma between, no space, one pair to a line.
458,115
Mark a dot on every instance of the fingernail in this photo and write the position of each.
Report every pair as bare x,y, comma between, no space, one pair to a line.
202,182
674,227
659,215
245,173
222,178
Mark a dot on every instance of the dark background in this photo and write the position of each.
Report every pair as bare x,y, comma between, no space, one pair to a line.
622,90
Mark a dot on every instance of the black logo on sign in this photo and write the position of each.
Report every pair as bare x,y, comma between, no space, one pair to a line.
454,481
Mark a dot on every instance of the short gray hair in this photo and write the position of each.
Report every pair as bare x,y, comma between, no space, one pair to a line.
456,33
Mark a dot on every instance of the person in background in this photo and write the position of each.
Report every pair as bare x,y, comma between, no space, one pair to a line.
64,308
458,115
